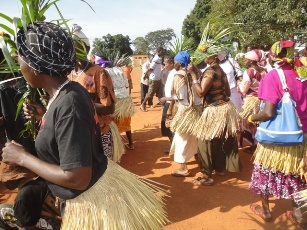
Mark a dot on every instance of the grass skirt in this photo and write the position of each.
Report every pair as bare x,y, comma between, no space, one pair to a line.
124,107
286,159
118,145
215,119
185,119
118,200
251,106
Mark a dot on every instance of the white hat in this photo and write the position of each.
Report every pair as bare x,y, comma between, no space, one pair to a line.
77,33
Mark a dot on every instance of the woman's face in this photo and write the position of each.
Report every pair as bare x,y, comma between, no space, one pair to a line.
247,62
29,74
177,65
168,64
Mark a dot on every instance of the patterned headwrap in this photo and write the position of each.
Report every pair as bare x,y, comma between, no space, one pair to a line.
46,48
276,49
256,55
183,57
102,61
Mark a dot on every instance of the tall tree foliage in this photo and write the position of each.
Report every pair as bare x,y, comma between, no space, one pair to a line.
115,43
159,38
255,22
193,24
141,45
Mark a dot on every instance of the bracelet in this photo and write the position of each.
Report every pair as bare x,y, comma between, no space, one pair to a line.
249,119
195,82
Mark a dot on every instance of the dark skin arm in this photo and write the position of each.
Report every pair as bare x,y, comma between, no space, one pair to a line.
267,113
104,110
77,178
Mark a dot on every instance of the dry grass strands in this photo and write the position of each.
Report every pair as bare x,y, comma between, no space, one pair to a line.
118,145
185,118
251,106
287,159
124,107
119,200
215,119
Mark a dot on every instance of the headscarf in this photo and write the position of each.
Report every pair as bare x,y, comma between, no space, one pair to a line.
183,57
276,49
102,61
46,48
77,33
256,55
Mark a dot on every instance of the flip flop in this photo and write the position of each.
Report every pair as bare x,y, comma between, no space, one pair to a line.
258,210
203,181
290,216
129,146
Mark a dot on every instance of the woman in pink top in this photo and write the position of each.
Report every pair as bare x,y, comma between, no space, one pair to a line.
248,88
279,170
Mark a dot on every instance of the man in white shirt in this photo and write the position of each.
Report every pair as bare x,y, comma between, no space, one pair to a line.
145,82
154,75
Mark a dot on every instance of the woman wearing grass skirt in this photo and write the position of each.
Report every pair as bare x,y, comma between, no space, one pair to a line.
219,123
94,192
279,170
97,81
248,87
184,145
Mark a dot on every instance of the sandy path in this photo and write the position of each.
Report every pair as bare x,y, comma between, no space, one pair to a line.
222,206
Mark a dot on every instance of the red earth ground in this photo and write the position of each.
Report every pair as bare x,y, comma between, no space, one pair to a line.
222,206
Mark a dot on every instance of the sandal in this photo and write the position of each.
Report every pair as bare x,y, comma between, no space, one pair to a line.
291,216
131,147
203,181
180,173
258,210
220,173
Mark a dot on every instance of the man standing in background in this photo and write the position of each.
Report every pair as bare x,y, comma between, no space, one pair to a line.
154,75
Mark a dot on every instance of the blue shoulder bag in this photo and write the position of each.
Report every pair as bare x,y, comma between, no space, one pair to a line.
285,127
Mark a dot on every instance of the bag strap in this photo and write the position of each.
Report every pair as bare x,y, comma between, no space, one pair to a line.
282,79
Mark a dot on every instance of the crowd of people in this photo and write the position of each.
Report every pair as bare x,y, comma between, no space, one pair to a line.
211,108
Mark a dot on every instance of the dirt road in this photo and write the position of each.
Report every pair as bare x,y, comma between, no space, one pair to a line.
222,206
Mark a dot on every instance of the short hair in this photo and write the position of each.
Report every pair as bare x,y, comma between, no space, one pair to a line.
159,49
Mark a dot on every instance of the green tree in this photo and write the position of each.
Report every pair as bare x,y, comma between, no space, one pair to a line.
267,21
116,43
193,24
159,38
141,45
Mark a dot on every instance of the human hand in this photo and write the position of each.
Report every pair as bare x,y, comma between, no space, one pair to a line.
31,109
13,153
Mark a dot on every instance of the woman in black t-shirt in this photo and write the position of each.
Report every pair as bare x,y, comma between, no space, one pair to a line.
70,156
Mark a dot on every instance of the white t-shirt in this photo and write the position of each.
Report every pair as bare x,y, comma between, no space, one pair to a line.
228,69
145,67
169,83
156,66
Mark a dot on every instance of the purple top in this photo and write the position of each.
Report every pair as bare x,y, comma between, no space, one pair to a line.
270,89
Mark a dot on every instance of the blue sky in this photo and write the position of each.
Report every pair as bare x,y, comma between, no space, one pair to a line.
134,18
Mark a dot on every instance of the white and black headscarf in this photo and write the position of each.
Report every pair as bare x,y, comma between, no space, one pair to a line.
47,48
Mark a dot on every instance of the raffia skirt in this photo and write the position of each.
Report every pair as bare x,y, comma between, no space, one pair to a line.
118,148
124,107
118,200
185,119
251,106
215,120
279,170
